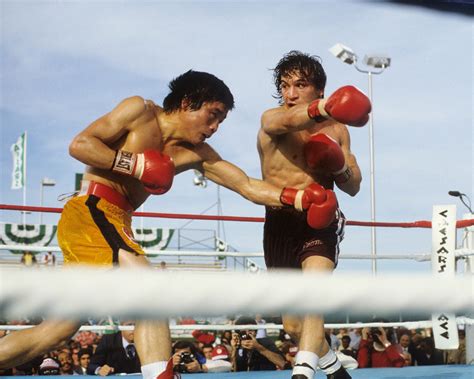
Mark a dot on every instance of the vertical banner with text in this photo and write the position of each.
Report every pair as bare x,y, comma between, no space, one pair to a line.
443,264
18,150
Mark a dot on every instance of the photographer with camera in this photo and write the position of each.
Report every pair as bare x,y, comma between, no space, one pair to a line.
376,349
254,354
186,358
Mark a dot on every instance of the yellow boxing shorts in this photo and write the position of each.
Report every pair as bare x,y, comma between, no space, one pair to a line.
94,225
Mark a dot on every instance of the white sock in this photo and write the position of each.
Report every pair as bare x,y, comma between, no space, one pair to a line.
152,370
329,362
305,363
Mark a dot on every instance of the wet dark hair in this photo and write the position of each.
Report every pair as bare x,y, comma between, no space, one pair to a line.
197,88
309,66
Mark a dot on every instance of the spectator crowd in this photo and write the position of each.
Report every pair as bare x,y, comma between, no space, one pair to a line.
113,352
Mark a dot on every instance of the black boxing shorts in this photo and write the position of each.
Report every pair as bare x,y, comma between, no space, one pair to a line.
288,240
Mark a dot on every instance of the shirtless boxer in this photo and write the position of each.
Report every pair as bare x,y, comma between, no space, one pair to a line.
301,142
130,153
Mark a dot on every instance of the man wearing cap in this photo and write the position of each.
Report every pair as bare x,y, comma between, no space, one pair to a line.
49,366
219,361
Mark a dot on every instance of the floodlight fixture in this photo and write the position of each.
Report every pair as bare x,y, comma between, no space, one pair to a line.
376,64
344,53
47,182
199,179
377,61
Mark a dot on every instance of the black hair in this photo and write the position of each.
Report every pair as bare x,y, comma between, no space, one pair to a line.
83,351
197,88
429,342
309,66
185,345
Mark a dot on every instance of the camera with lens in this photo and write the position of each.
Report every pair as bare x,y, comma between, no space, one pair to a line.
244,335
375,334
184,358
374,331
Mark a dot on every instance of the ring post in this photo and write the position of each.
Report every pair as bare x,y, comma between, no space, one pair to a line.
468,243
443,265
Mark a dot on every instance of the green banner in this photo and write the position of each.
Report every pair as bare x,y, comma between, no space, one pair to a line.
42,235
153,237
26,234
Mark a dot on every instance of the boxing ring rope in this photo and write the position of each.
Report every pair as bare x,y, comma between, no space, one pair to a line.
414,224
420,257
118,292
268,326
266,293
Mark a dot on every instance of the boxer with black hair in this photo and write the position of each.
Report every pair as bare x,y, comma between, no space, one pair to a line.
130,153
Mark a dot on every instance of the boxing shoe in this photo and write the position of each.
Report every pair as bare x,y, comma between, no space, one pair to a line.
169,373
348,362
304,371
339,374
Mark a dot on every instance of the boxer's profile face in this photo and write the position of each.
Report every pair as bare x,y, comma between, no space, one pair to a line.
204,122
296,89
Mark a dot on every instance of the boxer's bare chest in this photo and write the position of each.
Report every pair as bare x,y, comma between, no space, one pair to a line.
282,157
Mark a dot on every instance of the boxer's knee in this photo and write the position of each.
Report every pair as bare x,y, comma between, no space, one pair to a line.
318,264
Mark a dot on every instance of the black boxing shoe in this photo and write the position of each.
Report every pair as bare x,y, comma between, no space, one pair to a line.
299,376
339,374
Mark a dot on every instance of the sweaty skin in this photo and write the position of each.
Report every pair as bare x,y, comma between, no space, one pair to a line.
136,125
284,132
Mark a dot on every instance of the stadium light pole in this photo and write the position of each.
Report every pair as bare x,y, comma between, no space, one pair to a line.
45,182
376,65
200,180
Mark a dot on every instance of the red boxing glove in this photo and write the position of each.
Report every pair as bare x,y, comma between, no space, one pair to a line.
324,153
154,169
320,204
347,105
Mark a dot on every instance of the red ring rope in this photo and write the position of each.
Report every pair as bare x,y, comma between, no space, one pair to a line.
415,224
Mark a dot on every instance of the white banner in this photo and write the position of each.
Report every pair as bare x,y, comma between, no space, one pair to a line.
443,264
18,150
443,229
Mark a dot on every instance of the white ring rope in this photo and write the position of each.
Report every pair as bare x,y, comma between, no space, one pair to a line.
155,294
269,326
459,253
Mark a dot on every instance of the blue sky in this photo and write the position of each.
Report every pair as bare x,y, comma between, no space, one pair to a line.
65,63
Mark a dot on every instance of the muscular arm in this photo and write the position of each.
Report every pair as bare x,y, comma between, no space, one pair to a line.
352,186
92,145
286,120
230,176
